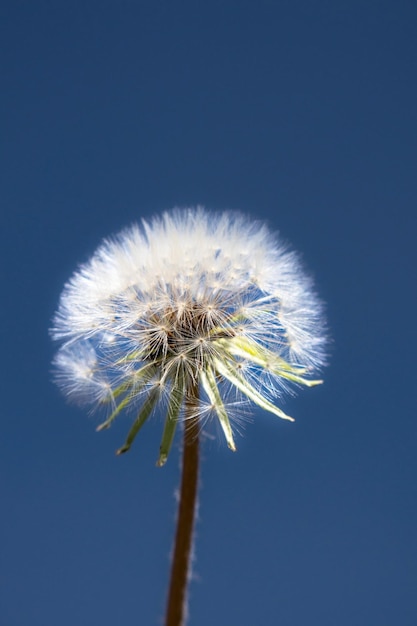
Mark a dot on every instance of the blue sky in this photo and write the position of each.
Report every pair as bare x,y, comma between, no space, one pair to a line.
299,113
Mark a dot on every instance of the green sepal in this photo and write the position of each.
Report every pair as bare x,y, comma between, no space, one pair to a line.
140,378
171,421
143,415
229,372
208,381
252,351
115,393
115,413
137,355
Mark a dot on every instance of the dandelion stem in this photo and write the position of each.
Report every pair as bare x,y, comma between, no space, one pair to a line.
180,571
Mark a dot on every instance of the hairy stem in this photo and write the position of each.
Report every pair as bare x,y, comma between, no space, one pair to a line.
180,572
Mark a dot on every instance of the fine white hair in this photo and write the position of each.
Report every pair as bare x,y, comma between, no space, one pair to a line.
196,294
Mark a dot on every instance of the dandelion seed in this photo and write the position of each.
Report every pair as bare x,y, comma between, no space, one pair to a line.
188,299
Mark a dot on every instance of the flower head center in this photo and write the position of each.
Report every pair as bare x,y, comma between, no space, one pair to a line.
186,331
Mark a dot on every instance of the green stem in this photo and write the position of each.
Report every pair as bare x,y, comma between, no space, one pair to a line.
180,572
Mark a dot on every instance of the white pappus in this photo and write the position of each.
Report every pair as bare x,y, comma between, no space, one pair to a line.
189,300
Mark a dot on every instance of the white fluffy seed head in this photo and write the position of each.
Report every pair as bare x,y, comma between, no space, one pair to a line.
178,295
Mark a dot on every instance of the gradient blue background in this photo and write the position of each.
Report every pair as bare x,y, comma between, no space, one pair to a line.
301,113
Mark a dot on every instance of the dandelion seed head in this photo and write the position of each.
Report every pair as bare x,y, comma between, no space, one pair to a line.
189,298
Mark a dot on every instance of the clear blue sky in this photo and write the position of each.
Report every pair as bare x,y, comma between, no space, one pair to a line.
300,113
